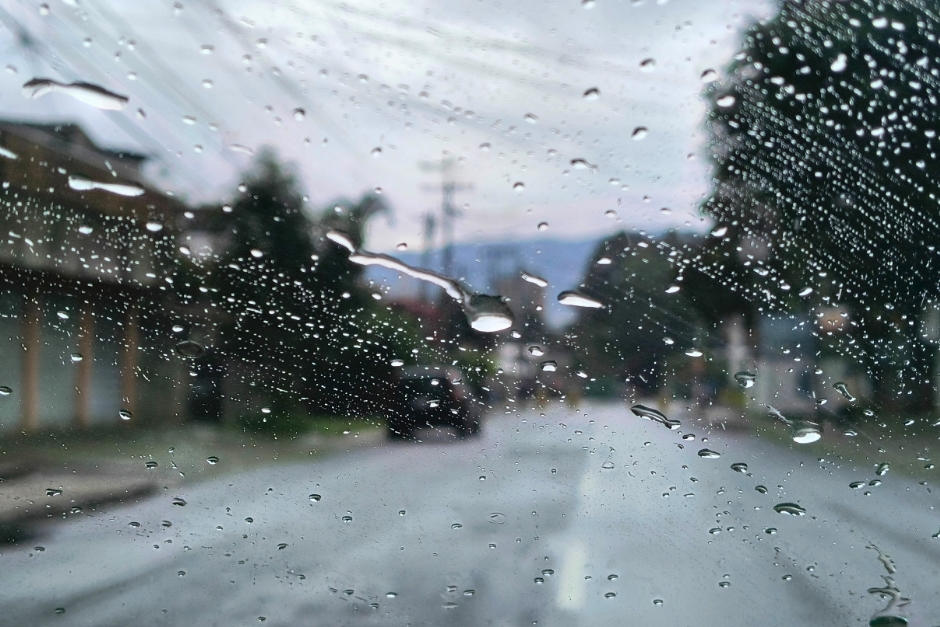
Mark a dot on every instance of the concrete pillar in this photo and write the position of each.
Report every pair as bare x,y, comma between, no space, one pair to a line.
31,322
129,360
83,380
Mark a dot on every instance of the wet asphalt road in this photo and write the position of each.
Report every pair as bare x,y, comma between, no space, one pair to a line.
566,519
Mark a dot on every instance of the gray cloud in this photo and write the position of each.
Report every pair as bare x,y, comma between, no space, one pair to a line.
417,81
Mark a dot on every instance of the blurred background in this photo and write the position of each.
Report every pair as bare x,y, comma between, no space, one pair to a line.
267,231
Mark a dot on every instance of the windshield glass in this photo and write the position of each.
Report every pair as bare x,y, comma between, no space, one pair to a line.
470,313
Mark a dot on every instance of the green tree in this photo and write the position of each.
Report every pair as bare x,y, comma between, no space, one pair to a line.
825,173
639,324
298,326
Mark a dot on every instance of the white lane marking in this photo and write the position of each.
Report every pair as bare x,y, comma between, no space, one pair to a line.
572,586
571,590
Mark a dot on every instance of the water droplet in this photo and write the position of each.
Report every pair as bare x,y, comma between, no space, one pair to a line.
497,518
299,114
456,525
534,280
536,351
314,498
53,491
531,118
839,63
88,93
613,577
844,391
212,460
805,432
347,519
882,469
770,531
81,184
725,101
125,414
745,379
582,164
397,363
518,186
151,465
672,289
790,509
188,348
5,390
707,453
739,467
721,231
577,299
648,64
549,366
179,501
391,595
542,226
609,595
488,314
639,133
657,602
376,152
60,610
592,93
608,465
655,415
724,584
694,352
709,76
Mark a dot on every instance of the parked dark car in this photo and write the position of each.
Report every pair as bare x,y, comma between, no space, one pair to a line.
429,396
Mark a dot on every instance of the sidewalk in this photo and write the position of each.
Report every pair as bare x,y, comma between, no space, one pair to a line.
40,492
55,476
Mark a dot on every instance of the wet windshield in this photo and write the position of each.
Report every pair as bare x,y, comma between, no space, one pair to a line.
350,313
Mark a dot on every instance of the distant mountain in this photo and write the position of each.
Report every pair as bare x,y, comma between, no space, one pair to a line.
562,263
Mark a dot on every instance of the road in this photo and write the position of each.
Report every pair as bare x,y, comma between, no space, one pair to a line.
594,517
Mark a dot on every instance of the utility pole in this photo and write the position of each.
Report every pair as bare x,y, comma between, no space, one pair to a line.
430,223
448,211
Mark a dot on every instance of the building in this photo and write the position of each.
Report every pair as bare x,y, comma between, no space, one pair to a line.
86,271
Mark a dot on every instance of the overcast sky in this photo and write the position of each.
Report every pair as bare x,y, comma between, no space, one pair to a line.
498,86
